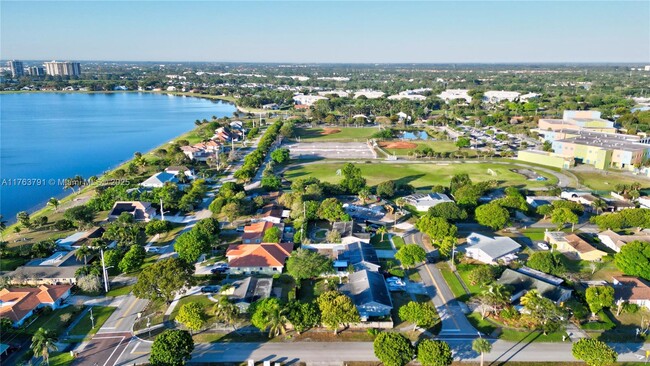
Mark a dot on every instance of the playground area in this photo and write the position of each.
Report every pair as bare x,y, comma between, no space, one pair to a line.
330,150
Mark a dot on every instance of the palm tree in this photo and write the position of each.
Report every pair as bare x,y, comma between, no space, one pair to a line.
182,178
599,204
277,321
225,311
481,346
53,202
400,202
43,343
529,297
382,230
83,252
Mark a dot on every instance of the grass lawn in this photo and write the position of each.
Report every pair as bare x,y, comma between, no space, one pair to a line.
100,313
455,286
201,299
535,234
346,134
311,289
398,241
118,291
10,264
509,334
167,237
379,244
54,321
421,176
61,359
464,270
414,275
607,180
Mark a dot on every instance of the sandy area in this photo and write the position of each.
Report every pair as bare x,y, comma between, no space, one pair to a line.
398,145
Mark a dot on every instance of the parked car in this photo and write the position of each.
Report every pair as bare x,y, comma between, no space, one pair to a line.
396,281
219,270
542,245
209,289
240,229
153,249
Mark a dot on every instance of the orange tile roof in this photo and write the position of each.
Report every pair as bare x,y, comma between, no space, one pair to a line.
258,255
258,227
23,300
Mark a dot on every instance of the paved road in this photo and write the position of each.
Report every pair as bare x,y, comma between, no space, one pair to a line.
136,352
454,322
103,349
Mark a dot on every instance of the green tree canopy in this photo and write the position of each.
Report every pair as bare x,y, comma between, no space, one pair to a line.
393,349
434,353
386,189
269,314
492,215
272,235
280,155
421,314
352,181
171,348
436,227
191,244
303,315
337,309
594,352
304,264
331,210
133,259
410,254
599,297
548,262
448,211
634,259
563,215
163,279
192,315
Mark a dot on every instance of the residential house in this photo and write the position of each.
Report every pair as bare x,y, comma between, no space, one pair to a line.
245,292
159,179
78,239
272,213
265,258
271,106
18,304
141,211
254,233
359,255
176,170
536,201
453,94
491,250
351,232
59,268
202,151
520,283
615,241
369,292
422,202
301,99
573,246
634,290
497,96
225,134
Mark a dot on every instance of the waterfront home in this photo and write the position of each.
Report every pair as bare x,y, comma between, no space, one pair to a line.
573,246
59,268
176,170
369,292
491,250
141,211
202,151
521,282
264,258
633,290
225,134
158,180
18,304
616,241
76,240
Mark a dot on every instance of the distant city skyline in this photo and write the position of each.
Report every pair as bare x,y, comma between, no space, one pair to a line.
328,32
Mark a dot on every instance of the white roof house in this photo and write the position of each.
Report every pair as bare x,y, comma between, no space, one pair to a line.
423,202
496,96
369,94
527,96
491,250
307,99
536,201
453,94
339,93
159,179
407,96
616,241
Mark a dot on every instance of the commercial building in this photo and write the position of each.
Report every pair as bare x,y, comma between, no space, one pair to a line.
497,96
65,68
546,158
17,68
453,94
604,150
577,120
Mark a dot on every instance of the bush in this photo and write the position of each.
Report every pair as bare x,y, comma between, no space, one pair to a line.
630,308
373,331
509,313
398,272
604,323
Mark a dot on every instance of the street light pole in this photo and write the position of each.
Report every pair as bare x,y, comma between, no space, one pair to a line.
92,318
101,251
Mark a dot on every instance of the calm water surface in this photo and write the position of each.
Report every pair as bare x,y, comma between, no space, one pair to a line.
45,136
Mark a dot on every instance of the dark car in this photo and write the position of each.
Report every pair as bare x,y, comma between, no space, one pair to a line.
209,289
219,270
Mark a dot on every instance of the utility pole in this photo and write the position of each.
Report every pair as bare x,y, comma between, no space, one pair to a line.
92,318
101,251
453,251
162,211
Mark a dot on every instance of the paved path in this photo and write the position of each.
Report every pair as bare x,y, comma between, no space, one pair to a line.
454,322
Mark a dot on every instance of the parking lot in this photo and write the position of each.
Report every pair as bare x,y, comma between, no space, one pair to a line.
331,150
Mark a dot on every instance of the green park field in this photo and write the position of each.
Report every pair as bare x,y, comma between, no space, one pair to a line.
336,134
421,176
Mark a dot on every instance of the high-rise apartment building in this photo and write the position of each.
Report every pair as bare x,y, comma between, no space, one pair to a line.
17,68
66,68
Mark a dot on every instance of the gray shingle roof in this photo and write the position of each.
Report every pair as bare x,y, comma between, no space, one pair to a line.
523,282
366,287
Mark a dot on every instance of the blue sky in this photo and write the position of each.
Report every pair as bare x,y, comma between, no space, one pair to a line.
327,31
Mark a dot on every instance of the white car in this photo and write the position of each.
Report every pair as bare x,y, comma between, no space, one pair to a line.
542,246
395,281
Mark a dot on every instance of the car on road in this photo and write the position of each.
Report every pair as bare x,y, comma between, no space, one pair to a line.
209,289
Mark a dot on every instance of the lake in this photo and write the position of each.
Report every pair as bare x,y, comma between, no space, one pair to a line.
45,136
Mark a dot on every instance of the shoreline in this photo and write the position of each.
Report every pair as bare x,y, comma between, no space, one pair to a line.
41,209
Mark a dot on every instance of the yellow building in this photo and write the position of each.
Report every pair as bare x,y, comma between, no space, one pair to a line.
572,246
545,158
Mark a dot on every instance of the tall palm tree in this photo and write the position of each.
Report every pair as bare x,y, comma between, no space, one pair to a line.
277,321
382,230
83,252
481,346
225,311
599,204
43,343
53,202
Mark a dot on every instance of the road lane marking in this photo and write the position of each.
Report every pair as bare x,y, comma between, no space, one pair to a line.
136,347
116,347
117,324
121,353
